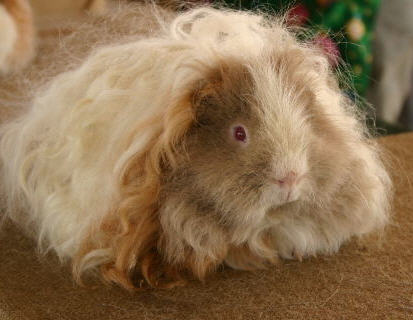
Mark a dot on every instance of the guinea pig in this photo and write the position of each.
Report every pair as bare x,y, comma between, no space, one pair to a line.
216,138
17,35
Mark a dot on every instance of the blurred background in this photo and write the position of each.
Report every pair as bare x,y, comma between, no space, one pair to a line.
371,40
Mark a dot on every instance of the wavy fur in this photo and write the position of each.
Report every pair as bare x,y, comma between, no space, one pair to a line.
123,163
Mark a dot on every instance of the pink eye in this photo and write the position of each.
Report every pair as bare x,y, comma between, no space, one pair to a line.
240,134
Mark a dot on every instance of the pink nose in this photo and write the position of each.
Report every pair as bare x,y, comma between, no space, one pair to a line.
288,181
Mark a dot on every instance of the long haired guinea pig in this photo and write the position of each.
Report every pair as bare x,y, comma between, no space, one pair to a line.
17,36
220,139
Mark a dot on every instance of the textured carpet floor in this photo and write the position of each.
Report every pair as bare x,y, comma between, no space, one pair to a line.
362,281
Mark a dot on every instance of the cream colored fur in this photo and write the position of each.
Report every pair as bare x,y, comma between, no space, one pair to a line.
85,167
8,36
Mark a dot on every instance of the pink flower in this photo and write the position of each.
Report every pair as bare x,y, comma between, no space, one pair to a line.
298,15
329,47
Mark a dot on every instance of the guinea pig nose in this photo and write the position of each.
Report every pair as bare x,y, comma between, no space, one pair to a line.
289,180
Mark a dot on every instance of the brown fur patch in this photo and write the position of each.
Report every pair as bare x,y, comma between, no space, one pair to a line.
132,228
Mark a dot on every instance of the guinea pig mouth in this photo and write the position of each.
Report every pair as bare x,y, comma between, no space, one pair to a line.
276,197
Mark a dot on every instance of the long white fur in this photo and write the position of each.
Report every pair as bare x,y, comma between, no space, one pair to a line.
62,159
66,172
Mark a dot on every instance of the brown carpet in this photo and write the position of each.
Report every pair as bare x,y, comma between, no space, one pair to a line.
362,281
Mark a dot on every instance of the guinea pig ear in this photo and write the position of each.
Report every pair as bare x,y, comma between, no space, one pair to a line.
203,99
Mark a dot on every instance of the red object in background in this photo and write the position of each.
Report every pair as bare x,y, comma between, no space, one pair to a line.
298,15
324,3
329,47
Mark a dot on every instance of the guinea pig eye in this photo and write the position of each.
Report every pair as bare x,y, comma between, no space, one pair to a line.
240,134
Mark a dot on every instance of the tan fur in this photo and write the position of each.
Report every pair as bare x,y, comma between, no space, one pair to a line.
24,47
127,163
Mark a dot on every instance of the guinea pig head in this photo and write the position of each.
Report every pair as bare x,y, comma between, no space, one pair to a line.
248,145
